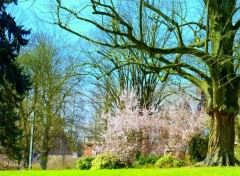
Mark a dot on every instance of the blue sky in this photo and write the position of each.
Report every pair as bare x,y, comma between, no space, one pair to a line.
35,15
26,10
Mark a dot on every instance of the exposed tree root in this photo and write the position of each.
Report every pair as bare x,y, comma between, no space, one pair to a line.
217,161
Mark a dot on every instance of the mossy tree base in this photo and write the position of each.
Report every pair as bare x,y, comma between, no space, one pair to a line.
221,141
218,161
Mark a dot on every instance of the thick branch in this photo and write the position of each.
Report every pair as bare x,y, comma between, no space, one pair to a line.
115,16
200,25
237,25
177,66
135,43
179,50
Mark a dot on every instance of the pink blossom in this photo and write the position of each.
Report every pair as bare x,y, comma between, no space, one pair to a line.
132,129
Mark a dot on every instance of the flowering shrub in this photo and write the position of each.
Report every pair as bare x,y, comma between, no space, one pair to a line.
132,129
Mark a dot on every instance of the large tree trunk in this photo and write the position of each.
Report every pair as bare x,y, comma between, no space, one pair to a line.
222,127
223,111
223,92
221,141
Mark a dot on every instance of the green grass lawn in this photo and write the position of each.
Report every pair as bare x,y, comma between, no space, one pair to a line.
210,171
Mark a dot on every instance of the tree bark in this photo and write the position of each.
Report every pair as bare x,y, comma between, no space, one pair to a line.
223,90
221,141
222,127
45,149
43,160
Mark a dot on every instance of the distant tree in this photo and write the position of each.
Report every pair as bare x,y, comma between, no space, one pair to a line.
53,79
13,82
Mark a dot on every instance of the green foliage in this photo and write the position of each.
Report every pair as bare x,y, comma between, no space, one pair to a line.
237,152
165,162
150,159
169,161
198,147
178,163
13,82
135,164
107,161
9,132
145,161
11,39
188,161
84,163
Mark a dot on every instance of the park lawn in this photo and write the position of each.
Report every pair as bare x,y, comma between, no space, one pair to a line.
211,171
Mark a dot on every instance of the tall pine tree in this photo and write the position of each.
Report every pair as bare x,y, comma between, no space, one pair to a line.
13,82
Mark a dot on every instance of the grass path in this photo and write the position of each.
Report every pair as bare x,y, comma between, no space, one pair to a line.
213,171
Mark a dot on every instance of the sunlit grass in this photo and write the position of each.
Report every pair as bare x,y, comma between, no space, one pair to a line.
211,171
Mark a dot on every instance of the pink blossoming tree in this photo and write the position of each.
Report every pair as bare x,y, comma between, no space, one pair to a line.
132,129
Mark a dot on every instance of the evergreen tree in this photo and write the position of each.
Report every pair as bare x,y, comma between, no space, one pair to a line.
13,82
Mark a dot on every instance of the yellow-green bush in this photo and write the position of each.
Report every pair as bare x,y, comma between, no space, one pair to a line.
107,161
84,163
169,161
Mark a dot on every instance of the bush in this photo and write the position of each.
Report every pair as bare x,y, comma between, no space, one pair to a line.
165,162
107,161
188,161
145,161
198,147
178,163
169,161
151,159
84,163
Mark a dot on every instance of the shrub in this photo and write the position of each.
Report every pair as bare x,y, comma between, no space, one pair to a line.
145,161
178,163
107,161
198,147
150,159
165,162
135,164
84,163
169,161
188,161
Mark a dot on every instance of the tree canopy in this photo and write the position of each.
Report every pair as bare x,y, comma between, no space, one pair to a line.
195,40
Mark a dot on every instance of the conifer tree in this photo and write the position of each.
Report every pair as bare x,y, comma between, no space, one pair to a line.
13,82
